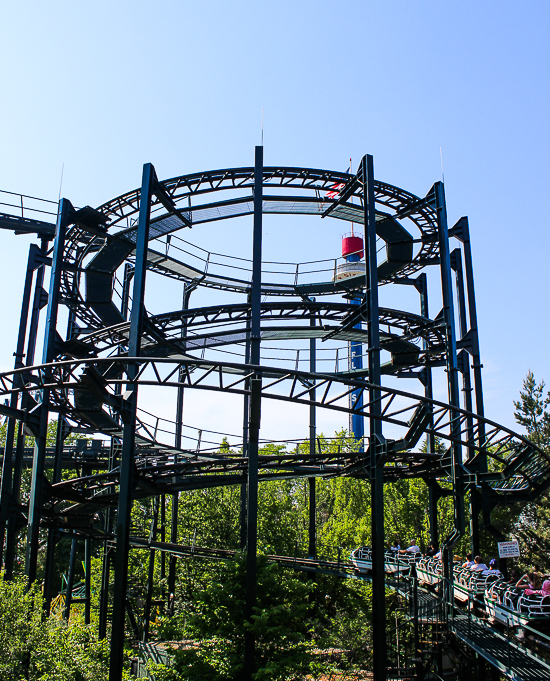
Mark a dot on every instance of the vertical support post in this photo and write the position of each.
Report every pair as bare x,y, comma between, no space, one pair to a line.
246,408
312,437
414,578
70,581
178,438
87,580
53,534
433,498
456,264
37,482
462,232
150,572
254,414
452,383
38,303
433,487
104,598
129,421
7,464
162,539
376,440
464,236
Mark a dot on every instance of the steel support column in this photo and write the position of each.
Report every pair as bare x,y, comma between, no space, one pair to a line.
150,571
104,596
462,232
455,462
254,414
433,487
246,408
88,580
39,302
376,440
187,290
53,534
70,580
129,421
312,533
464,366
50,331
7,464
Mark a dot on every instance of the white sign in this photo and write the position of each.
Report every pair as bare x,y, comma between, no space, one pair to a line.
508,549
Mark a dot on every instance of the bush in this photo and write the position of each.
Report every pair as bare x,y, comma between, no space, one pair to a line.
45,649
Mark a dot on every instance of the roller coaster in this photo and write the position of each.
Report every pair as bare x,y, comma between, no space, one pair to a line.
114,351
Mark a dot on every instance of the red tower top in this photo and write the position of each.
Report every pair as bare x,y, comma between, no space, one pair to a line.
352,245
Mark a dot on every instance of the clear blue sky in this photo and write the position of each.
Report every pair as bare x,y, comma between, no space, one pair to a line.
104,87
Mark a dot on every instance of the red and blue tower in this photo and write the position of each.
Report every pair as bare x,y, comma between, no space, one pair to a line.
353,252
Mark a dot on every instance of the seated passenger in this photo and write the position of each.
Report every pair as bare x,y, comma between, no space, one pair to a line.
413,548
543,591
493,570
478,565
533,583
394,545
432,550
469,562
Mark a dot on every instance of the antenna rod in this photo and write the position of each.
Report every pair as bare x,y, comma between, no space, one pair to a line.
61,181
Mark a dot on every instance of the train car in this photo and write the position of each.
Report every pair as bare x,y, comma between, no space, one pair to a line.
394,563
429,571
468,583
513,607
361,559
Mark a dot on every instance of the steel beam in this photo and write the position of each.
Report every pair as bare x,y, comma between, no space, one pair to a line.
70,580
50,331
7,463
187,290
39,301
150,572
88,580
254,415
129,420
104,595
452,386
246,408
433,487
376,440
53,534
456,264
312,525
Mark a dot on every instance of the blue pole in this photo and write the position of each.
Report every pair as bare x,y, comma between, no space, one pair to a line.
356,354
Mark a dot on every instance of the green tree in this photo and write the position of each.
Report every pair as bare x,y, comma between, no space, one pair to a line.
38,649
280,625
531,411
531,522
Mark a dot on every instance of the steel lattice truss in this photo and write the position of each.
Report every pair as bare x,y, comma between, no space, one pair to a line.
92,379
521,468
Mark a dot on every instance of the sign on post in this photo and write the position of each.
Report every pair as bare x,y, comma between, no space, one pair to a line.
508,549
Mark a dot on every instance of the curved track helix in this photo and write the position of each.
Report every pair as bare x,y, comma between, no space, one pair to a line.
293,334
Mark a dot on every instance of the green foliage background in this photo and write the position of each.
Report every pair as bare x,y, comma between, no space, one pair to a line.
303,625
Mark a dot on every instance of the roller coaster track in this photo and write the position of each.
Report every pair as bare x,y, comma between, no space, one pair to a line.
92,383
98,256
521,470
512,659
